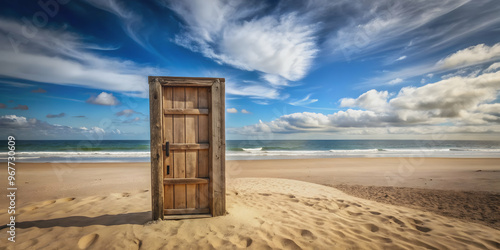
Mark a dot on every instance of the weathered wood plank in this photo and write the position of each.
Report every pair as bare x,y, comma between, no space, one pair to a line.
179,98
203,159
186,111
187,216
187,81
172,181
155,107
223,146
187,146
168,135
186,211
191,137
217,177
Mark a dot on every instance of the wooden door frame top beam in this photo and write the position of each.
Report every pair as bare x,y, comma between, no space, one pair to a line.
217,192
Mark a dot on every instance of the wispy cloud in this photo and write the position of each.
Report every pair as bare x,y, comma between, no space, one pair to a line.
60,57
235,33
132,120
244,111
395,81
304,101
128,113
401,58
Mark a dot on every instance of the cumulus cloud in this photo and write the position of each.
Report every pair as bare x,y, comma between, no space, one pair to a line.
106,99
21,107
56,116
39,90
34,127
244,111
14,121
232,110
371,100
127,113
462,101
233,33
470,56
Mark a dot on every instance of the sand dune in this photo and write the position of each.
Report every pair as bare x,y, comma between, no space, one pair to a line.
263,213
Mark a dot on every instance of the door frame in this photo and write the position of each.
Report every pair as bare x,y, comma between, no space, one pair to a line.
217,141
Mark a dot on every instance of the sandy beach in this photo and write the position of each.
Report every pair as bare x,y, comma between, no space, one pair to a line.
375,203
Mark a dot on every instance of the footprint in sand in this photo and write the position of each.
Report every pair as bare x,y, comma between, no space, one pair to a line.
422,229
371,227
290,244
87,240
307,234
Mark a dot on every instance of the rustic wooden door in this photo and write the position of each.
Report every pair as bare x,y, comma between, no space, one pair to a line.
187,147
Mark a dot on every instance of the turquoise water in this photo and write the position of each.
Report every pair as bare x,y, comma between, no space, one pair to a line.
138,150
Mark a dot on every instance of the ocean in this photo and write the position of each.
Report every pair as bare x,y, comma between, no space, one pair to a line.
138,150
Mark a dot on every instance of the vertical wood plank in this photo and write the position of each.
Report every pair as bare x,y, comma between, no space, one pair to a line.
203,159
155,109
179,98
216,171
191,137
222,111
168,200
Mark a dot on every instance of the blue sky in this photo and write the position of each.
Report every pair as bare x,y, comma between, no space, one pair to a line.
294,69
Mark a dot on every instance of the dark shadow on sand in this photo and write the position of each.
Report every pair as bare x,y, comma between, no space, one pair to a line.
83,221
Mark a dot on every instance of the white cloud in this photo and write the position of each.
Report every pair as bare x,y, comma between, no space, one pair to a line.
282,45
244,111
304,101
371,100
13,121
462,101
375,25
252,89
401,58
395,81
470,56
34,128
275,80
493,68
232,110
61,57
106,99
